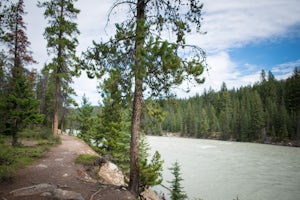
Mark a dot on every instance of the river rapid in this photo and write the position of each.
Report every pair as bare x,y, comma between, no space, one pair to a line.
220,170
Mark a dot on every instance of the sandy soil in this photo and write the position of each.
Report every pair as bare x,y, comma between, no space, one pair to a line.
58,167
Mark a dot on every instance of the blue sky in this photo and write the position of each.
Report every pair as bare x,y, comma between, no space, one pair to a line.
243,37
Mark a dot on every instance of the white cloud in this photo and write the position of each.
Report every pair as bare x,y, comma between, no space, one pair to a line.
285,70
229,24
86,86
234,23
222,69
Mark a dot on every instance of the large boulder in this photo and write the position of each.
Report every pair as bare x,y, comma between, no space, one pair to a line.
111,174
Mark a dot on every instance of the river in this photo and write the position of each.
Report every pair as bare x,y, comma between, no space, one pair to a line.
220,170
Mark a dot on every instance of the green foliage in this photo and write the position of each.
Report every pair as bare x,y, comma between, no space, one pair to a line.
13,158
85,119
61,39
265,112
152,118
150,170
137,59
18,105
43,135
86,159
177,192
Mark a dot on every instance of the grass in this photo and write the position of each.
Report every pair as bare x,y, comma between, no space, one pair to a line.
86,159
13,158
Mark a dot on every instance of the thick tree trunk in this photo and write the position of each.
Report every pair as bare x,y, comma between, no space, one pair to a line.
137,101
135,138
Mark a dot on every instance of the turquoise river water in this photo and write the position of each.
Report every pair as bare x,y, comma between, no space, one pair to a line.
219,170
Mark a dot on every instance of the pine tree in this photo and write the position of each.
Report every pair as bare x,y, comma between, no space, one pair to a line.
293,99
146,60
177,192
20,102
150,171
84,117
61,37
257,115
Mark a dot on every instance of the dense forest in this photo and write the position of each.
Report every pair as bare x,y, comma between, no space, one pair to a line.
266,112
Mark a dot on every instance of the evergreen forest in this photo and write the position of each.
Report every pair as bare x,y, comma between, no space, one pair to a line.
266,112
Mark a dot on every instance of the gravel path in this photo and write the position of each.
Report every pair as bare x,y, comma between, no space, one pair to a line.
57,167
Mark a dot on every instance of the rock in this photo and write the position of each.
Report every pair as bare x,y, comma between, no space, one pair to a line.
33,190
149,194
111,174
84,176
47,190
66,195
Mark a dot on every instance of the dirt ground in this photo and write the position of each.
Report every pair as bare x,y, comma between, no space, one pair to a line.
57,167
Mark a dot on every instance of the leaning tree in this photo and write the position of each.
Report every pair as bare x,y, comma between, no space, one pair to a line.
149,50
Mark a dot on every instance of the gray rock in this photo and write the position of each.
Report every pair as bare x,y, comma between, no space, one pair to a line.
60,194
47,190
33,190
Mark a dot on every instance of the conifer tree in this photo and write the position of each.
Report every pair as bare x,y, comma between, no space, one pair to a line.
148,62
150,170
293,99
20,103
257,115
177,192
84,117
62,42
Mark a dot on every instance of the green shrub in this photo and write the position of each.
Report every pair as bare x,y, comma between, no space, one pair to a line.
86,159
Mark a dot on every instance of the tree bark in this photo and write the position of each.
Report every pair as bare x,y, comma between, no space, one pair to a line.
135,137
56,106
137,101
57,80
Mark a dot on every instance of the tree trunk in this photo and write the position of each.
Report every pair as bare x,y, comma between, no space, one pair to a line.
135,139
137,101
57,80
56,106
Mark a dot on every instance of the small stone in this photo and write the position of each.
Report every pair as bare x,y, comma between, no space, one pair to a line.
46,194
42,166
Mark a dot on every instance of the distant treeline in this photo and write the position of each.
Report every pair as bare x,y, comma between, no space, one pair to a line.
268,111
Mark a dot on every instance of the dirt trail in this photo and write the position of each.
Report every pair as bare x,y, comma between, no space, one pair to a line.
57,167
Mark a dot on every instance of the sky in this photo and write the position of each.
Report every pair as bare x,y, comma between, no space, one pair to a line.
242,38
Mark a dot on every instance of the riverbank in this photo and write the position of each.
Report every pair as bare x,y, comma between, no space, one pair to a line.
268,140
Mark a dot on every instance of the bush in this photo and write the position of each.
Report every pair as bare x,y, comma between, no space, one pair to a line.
86,159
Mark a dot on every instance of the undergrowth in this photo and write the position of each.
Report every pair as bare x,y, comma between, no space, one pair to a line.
13,158
86,159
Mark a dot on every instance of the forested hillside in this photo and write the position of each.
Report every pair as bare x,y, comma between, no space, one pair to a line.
267,111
